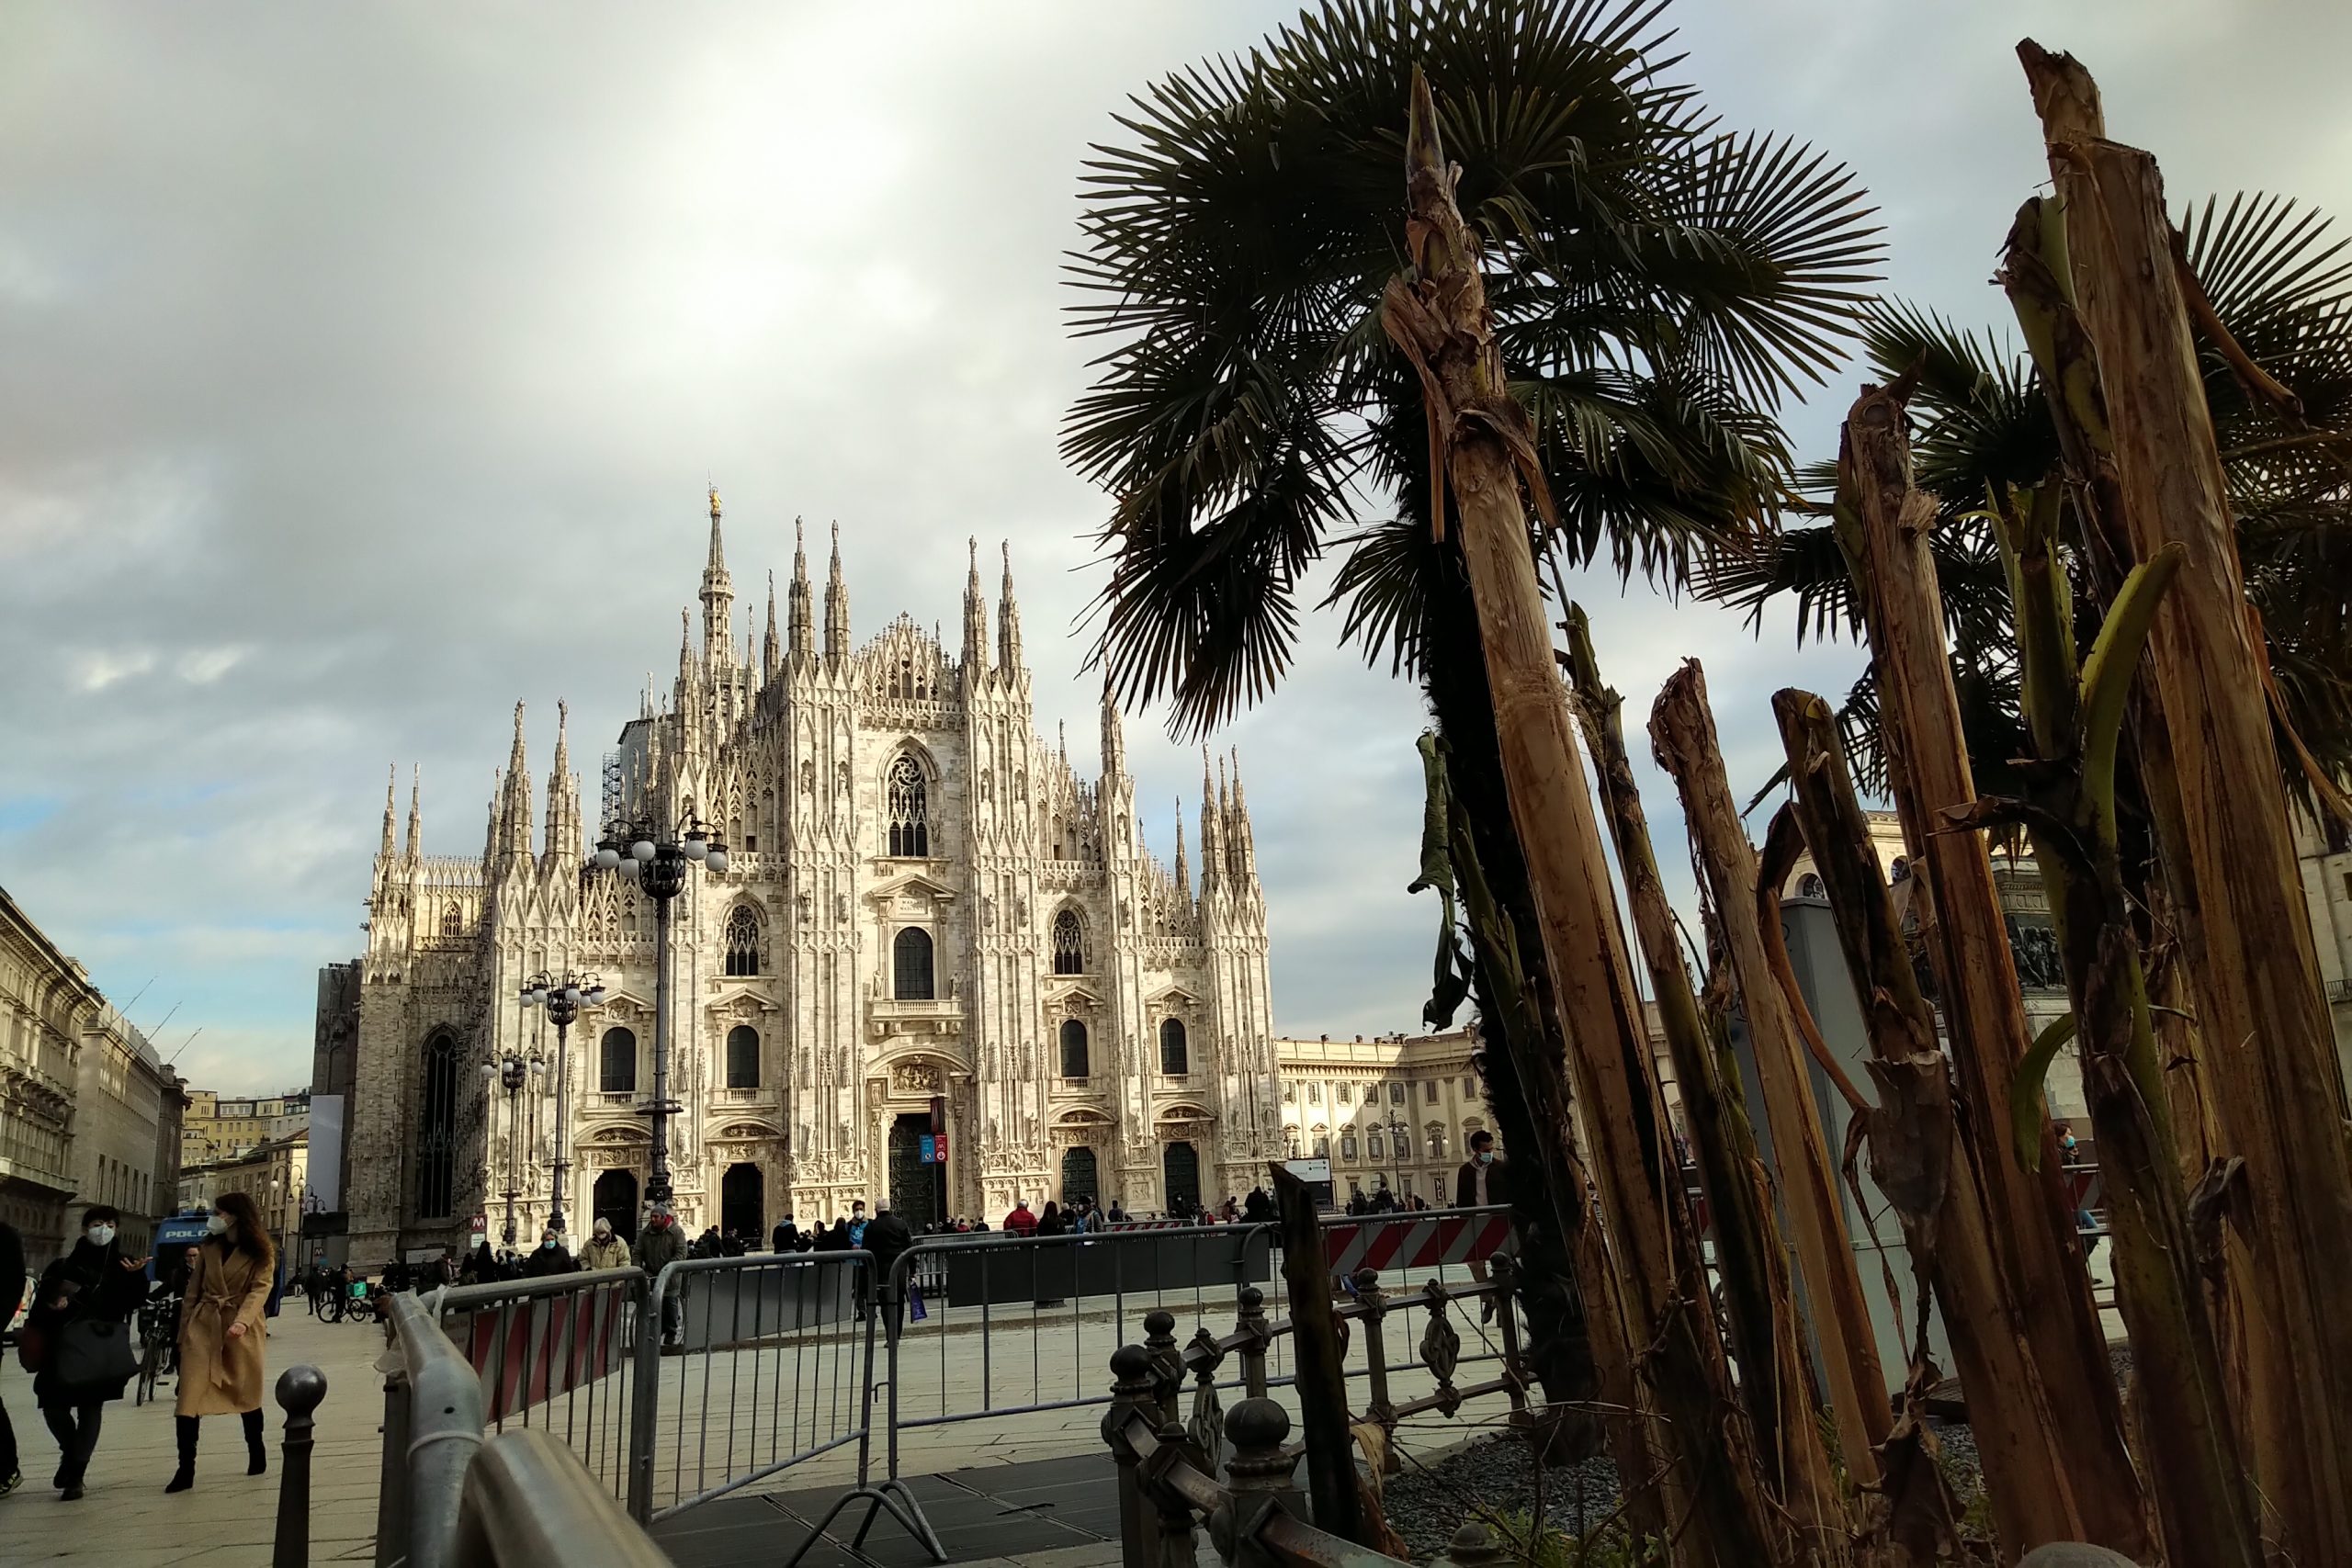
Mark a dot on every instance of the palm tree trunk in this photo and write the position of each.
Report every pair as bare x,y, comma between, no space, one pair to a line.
1438,318
1682,733
2271,1055
2028,1215
1576,1330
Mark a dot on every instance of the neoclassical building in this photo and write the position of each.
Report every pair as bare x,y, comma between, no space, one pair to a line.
930,924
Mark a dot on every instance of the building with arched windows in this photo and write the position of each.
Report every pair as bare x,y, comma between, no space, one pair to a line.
930,924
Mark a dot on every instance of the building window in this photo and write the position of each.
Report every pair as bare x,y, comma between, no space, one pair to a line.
1290,1094
1809,886
1347,1143
1073,1049
1429,1092
618,1062
743,940
1290,1142
1469,1085
742,1058
1322,1143
1437,1140
1405,1183
1069,945
1175,1055
453,921
437,1149
910,965
1374,1144
1315,1092
909,807
1396,1094
1340,1093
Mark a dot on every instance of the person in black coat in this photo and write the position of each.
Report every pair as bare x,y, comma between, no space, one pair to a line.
550,1258
12,1291
93,1284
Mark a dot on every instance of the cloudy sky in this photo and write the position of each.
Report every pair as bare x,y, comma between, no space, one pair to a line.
361,369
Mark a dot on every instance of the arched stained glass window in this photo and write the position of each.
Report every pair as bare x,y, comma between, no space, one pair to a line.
1175,1053
1074,1051
1069,944
909,802
743,940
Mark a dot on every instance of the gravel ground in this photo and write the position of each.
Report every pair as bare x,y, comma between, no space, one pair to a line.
1426,1504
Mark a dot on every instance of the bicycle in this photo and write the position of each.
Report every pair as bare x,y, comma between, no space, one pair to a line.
159,1344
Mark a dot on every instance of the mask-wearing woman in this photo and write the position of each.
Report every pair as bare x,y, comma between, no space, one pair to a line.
220,1332
550,1258
93,1284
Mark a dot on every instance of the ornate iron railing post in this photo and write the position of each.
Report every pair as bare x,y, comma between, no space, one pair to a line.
1380,1407
1166,1364
300,1389
1504,1270
1207,1427
1253,1353
1261,1478
1176,1543
1131,1395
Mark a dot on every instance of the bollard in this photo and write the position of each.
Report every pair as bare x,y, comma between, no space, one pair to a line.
1474,1546
300,1389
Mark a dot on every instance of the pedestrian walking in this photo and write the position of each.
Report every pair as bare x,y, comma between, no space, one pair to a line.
548,1259
605,1250
1021,1222
12,1291
888,1238
659,1245
221,1370
79,1327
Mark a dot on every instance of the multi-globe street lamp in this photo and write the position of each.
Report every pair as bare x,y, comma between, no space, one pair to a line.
564,996
650,856
510,1072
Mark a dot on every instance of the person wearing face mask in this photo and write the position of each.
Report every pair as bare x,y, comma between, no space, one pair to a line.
2077,1184
80,1313
1484,1180
221,1333
858,1222
605,1250
549,1257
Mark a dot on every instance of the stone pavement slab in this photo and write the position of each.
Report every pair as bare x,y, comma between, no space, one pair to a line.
125,1520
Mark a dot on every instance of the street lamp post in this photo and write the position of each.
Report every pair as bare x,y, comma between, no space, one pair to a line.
657,861
564,996
511,1072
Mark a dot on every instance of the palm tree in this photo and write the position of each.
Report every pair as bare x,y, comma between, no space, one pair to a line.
2281,287
1658,283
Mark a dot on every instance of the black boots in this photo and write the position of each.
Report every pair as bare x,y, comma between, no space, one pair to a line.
256,1457
185,1477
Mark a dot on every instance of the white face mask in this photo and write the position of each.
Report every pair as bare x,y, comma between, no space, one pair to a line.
100,1236
217,1224
603,1233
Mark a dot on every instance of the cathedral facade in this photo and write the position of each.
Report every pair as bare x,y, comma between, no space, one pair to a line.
932,936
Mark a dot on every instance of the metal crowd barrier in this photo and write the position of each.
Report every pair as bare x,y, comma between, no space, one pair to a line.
432,1424
544,1351
529,1504
769,1362
1037,1312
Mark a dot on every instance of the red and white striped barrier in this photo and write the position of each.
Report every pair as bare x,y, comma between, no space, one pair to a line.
1409,1242
1124,1226
531,1350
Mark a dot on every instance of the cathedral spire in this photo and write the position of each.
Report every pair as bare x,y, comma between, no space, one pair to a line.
771,652
717,596
391,781
976,623
1183,869
1211,834
1244,841
513,819
416,811
563,835
1008,631
801,621
1114,743
836,610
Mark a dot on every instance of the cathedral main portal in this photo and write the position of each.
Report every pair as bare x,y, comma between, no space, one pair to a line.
918,1190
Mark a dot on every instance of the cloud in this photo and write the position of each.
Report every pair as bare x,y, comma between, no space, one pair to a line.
366,366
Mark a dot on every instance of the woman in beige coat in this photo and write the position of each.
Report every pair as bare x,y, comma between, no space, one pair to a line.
222,1332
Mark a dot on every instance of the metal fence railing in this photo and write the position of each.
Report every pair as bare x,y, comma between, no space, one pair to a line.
432,1424
545,1350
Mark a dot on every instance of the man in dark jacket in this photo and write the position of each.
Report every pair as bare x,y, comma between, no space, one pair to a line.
659,1245
888,1238
787,1235
550,1258
1483,1180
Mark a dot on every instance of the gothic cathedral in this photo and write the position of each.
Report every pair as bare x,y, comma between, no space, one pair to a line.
930,936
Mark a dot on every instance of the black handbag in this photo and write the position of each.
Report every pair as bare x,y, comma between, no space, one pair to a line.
93,1352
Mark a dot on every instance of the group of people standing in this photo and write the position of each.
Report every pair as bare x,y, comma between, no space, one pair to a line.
78,1342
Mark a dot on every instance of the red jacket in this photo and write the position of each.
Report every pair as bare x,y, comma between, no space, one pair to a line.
1021,1222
